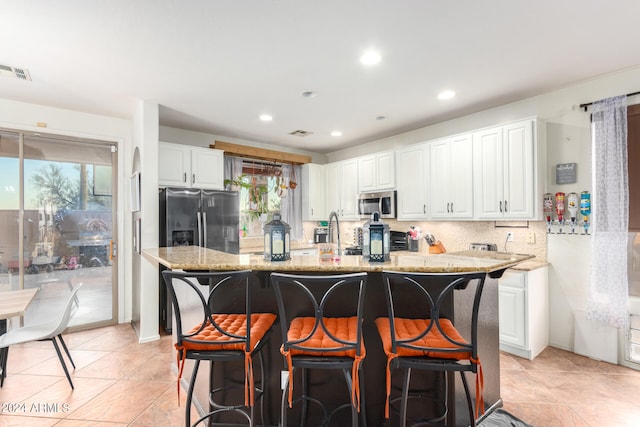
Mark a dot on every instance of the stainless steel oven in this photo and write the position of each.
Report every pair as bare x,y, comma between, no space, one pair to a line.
382,201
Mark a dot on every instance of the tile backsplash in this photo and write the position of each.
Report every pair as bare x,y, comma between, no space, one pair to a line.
458,235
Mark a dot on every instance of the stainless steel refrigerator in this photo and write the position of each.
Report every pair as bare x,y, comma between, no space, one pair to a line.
195,217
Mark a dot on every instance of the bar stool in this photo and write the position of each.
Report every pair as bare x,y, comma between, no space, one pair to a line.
218,336
426,338
321,329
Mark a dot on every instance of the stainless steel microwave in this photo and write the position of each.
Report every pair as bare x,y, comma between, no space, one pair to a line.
381,201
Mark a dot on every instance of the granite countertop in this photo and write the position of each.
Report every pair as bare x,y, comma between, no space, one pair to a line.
198,258
530,265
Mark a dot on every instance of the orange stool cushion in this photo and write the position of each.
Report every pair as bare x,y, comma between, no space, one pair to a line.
409,328
345,328
211,339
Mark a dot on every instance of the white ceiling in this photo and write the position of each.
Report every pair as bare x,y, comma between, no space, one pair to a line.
215,65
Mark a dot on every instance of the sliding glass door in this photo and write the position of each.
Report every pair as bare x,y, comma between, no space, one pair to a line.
9,210
61,200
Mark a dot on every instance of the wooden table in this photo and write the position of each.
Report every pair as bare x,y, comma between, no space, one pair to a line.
12,304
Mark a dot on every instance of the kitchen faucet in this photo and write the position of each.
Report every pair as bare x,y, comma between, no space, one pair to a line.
331,215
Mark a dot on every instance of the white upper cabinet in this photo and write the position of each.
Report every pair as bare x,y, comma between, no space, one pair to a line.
342,188
207,168
505,172
186,166
174,165
451,178
376,172
412,182
313,193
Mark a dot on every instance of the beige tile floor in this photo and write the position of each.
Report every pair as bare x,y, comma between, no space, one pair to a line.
119,382
559,388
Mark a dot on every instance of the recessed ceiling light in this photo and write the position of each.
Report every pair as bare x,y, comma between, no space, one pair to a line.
446,94
381,118
308,94
266,117
336,133
370,57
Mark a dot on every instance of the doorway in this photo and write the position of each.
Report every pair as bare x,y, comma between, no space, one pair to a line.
57,205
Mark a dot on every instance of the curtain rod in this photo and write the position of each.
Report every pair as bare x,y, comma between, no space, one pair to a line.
585,106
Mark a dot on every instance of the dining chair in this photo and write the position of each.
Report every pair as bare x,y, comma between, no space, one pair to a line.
49,330
321,320
421,333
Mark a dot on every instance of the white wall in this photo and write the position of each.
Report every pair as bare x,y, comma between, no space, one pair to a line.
25,117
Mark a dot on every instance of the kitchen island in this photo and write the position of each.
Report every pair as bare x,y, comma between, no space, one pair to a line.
493,263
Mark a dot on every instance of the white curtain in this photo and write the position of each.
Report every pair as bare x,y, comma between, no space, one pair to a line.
609,291
232,168
291,205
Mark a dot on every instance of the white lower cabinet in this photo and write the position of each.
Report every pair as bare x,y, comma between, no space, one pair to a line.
524,312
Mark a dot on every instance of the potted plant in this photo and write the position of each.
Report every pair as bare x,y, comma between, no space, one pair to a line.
257,194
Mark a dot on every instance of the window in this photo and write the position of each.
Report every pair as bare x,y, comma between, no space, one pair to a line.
261,188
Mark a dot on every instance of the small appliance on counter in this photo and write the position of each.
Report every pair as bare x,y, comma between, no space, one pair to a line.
483,247
399,241
321,235
353,250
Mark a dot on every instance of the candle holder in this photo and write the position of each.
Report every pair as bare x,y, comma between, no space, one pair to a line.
376,240
276,240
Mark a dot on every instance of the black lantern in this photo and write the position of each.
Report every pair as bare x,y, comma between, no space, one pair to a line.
276,239
376,239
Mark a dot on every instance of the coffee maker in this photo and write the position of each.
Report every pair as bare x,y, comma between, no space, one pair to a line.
321,235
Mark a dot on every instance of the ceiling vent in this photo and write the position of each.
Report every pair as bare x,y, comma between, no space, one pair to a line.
14,72
300,133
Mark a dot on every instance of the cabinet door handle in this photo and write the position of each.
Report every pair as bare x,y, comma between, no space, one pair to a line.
193,178
500,206
505,206
424,209
311,211
185,177
451,207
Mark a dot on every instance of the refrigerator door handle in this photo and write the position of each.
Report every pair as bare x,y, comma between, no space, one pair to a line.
204,230
199,229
